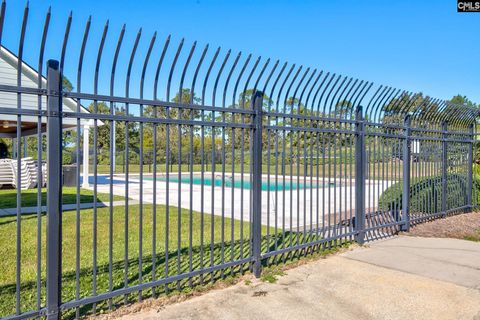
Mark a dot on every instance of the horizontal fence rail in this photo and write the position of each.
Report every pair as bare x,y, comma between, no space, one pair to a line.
140,167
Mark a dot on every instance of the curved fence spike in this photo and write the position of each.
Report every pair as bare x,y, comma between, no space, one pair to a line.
323,92
114,62
2,19
305,88
185,67
280,90
277,79
398,101
260,75
130,64
270,77
385,102
46,25
207,75
339,101
363,93
229,76
248,81
159,66
335,95
296,90
287,93
381,103
237,83
328,96
65,41
405,108
311,90
320,86
172,68
21,44
378,98
97,64
217,79
80,58
441,109
195,75
377,92
349,96
429,111
145,63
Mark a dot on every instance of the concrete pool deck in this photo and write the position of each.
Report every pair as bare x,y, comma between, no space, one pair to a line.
297,207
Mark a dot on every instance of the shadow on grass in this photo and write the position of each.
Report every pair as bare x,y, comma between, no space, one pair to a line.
128,273
8,197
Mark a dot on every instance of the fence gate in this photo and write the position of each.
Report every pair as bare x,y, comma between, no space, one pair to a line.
229,162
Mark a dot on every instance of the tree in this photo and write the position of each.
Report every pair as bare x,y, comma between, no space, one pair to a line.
66,84
459,99
343,109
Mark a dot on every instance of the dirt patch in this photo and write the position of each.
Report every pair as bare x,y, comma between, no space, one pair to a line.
463,226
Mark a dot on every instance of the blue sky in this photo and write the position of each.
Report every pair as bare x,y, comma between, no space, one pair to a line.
414,45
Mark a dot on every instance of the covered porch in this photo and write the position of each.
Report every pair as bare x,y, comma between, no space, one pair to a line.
20,128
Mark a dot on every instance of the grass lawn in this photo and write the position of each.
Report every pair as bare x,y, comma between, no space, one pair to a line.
236,244
8,197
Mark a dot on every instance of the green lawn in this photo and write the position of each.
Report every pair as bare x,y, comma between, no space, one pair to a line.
8,197
235,244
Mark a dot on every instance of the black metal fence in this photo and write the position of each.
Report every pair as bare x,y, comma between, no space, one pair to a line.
251,162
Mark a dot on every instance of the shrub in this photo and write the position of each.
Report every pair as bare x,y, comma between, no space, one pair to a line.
426,194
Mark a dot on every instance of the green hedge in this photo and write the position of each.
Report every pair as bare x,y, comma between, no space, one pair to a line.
426,194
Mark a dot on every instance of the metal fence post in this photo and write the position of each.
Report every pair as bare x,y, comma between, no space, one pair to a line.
360,156
54,189
406,175
257,103
444,168
470,170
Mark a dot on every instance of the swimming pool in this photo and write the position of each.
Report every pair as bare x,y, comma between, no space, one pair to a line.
237,182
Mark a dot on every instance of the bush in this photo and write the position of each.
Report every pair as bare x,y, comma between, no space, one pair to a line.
426,194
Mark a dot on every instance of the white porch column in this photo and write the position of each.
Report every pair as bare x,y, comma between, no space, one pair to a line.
114,142
86,134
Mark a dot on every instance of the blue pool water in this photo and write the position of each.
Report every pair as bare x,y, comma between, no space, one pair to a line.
237,182
103,179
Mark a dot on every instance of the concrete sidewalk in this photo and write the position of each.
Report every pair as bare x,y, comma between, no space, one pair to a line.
398,278
451,260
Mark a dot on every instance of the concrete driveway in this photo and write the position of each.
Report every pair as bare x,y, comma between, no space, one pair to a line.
398,278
